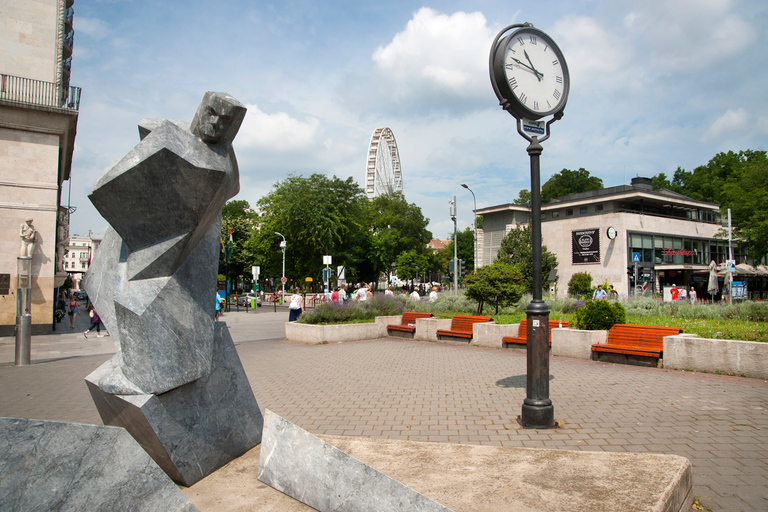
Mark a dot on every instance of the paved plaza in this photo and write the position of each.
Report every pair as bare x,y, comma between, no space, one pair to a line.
450,393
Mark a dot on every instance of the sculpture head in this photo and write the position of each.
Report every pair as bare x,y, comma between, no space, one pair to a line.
218,117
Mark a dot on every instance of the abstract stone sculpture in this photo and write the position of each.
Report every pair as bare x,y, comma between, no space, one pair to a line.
153,278
48,465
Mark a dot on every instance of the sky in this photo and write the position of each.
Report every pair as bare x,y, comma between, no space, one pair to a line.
655,85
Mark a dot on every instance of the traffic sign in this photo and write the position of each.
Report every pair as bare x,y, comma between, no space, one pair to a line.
283,279
635,257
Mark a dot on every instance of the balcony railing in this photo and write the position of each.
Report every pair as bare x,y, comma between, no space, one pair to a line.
27,91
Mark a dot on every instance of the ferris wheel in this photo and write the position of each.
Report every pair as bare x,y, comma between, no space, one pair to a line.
383,175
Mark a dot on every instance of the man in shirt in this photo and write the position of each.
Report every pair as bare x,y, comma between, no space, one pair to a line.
599,293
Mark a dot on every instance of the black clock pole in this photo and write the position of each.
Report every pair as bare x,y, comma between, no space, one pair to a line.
538,411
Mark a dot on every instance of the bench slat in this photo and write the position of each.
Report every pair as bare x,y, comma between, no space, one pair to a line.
408,321
522,333
641,340
461,326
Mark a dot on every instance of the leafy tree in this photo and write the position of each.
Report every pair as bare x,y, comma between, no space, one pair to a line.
237,218
398,227
580,284
661,181
499,284
746,193
412,264
600,315
524,198
706,182
318,216
569,182
466,248
516,249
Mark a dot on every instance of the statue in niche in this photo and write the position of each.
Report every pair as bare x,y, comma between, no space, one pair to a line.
28,236
153,278
62,238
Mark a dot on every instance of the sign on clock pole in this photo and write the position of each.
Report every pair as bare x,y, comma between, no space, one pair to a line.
530,78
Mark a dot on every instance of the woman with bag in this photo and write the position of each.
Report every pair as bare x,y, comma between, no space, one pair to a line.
295,308
72,310
95,322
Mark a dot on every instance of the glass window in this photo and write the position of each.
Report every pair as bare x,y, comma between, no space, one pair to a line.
583,209
599,208
647,241
555,215
568,212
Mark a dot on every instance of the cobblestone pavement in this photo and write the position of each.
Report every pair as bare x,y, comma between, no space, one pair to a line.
436,392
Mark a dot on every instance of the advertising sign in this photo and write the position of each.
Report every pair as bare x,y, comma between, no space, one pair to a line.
585,246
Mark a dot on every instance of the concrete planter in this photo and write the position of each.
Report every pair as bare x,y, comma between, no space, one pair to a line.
749,358
489,334
314,334
576,343
426,328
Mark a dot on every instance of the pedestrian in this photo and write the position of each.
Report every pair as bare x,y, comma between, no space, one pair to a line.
684,294
612,294
335,296
692,295
433,295
599,294
295,308
415,295
72,310
95,324
675,292
389,291
218,308
362,292
343,294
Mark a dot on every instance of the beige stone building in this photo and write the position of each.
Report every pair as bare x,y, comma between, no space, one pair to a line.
38,120
668,238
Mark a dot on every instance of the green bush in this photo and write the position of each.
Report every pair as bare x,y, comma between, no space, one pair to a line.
580,285
600,314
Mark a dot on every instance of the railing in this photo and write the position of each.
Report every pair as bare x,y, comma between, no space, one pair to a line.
36,92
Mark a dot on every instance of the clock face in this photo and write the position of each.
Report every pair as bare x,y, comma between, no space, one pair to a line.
531,73
612,232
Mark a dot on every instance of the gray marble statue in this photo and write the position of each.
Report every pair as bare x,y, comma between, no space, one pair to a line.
153,278
175,381
28,236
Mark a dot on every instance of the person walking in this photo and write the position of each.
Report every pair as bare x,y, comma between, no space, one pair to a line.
415,295
343,294
295,308
72,310
389,291
95,324
363,292
599,293
692,295
433,295
612,293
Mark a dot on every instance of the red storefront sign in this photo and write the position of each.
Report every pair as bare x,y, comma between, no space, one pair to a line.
678,252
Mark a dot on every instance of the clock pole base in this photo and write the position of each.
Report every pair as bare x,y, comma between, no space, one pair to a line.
540,417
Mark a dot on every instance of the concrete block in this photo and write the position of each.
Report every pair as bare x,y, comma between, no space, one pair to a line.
703,354
314,334
48,465
194,429
426,328
489,334
312,471
576,343
384,321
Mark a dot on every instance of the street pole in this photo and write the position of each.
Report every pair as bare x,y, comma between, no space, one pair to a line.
537,411
455,248
474,201
730,258
282,279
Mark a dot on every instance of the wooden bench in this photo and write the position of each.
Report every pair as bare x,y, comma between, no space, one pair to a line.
461,327
407,323
522,333
636,340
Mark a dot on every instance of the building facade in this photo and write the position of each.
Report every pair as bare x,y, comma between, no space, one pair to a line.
659,237
38,120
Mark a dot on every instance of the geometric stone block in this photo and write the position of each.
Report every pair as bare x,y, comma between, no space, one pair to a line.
196,428
49,465
312,471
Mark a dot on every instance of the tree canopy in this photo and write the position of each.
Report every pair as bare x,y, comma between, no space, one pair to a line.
569,182
499,284
516,250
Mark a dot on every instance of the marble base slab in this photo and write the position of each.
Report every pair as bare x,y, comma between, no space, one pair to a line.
312,471
194,429
48,465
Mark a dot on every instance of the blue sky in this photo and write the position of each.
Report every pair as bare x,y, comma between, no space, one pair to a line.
655,85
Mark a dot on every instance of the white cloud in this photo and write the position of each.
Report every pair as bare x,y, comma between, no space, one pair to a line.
278,132
730,123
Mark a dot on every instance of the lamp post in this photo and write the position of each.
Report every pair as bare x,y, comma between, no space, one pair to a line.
282,279
474,263
455,247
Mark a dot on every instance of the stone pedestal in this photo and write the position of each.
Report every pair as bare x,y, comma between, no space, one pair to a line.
192,430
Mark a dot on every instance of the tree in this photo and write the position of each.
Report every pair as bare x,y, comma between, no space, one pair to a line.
580,284
569,182
398,227
524,198
516,249
661,181
499,284
237,218
412,264
466,248
746,193
318,216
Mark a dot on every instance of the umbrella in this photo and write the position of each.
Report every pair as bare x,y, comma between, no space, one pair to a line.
713,287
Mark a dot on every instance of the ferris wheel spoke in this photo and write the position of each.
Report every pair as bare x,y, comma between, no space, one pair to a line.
383,173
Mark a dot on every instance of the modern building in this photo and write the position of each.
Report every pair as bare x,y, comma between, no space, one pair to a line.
659,236
38,121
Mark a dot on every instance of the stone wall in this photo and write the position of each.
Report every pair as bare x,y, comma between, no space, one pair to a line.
748,358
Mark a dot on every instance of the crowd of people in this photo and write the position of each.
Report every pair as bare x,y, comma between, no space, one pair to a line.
69,305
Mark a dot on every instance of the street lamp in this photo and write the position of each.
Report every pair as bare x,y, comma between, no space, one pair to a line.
475,212
282,280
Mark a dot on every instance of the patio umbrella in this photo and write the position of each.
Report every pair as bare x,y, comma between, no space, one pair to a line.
712,286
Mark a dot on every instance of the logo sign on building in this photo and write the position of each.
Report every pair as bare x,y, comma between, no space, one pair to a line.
585,246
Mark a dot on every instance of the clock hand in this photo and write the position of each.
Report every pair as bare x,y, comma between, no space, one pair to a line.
526,66
532,66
